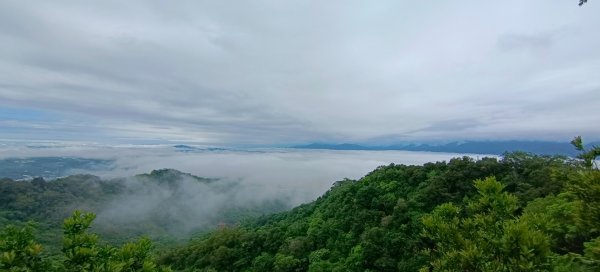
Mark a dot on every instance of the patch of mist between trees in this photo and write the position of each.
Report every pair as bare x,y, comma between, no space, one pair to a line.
178,208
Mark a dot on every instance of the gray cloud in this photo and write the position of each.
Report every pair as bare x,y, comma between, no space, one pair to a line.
532,42
452,125
272,72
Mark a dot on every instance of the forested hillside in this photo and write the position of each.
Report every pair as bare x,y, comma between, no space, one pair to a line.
520,213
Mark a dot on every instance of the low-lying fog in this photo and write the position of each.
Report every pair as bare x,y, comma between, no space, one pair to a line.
299,174
251,181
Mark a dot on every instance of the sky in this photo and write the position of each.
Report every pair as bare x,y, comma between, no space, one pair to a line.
292,72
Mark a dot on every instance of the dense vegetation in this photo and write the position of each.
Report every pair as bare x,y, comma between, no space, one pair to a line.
522,212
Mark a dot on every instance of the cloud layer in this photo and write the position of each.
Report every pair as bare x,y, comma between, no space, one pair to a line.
265,174
272,72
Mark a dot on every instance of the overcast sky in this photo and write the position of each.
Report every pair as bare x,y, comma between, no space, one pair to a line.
287,72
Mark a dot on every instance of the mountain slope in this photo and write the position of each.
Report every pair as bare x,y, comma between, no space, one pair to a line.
372,224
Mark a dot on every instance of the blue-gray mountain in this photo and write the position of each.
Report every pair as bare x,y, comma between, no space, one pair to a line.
472,147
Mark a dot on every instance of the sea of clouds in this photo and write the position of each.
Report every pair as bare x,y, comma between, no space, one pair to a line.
300,174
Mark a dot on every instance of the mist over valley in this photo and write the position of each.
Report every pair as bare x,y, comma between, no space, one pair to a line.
173,192
296,175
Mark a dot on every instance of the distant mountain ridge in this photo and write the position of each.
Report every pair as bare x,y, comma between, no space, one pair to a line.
189,148
473,147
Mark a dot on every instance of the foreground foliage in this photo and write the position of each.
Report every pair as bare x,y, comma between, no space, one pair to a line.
82,251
